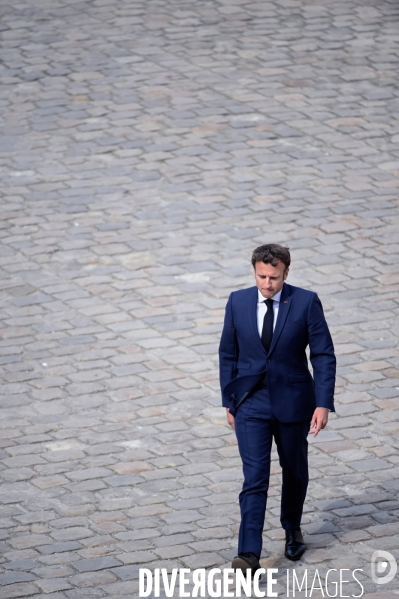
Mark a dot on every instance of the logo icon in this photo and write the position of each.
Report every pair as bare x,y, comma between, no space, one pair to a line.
380,561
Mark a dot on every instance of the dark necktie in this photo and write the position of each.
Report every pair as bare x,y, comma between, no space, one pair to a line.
267,330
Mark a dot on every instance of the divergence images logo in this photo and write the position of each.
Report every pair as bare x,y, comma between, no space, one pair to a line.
379,567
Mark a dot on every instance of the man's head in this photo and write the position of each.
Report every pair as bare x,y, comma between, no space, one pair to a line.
271,264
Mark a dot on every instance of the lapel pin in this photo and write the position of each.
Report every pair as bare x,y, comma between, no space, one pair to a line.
285,302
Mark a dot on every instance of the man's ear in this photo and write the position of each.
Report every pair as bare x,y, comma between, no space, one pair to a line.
286,273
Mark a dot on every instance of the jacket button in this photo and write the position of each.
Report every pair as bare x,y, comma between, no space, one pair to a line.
269,360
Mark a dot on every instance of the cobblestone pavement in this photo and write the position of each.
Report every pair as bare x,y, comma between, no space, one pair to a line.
147,148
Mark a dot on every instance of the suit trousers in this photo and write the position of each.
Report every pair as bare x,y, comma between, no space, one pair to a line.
255,426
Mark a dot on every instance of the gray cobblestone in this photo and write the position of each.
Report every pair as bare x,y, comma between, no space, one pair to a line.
92,565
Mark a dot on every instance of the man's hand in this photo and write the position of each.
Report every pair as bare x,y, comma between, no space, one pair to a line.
230,419
319,421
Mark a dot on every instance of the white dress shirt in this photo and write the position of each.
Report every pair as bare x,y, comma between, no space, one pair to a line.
262,309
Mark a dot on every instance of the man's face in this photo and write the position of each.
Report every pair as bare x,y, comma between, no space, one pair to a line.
270,279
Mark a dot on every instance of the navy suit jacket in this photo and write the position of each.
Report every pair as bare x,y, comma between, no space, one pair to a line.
244,363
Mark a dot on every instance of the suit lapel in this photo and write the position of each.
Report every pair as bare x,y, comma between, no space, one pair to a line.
284,308
253,316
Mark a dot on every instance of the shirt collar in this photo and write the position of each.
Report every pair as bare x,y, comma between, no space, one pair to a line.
275,298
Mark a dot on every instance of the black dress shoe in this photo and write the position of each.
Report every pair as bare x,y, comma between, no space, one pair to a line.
245,561
294,545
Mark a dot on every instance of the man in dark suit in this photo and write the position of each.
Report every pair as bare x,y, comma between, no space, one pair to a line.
268,391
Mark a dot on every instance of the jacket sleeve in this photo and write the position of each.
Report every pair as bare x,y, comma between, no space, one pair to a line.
228,351
322,356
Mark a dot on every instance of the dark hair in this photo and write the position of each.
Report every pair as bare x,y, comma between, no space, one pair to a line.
271,253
